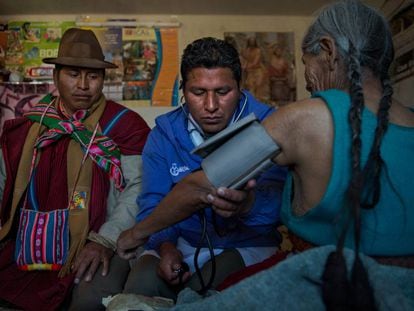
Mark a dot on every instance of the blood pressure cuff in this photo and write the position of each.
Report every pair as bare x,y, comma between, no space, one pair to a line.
237,154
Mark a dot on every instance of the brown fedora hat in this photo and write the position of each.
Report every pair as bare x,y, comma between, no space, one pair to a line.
80,48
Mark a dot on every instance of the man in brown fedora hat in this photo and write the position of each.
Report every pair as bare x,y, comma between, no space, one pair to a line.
69,176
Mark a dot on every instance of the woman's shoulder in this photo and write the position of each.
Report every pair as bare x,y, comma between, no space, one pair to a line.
301,114
300,126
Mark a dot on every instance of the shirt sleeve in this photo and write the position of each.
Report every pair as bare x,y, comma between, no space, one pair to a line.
122,207
157,182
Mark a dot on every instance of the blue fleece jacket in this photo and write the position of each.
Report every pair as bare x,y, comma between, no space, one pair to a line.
167,159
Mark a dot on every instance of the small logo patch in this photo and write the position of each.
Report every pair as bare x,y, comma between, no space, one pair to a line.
175,170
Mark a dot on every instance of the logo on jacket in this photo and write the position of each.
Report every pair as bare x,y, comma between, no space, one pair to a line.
175,170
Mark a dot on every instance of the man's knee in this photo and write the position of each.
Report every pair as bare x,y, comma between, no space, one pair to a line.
228,262
143,276
144,280
88,295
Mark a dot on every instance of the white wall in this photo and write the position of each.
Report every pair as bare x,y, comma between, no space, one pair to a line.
150,113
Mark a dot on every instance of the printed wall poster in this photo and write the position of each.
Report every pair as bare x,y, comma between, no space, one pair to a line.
165,90
111,43
268,64
147,60
29,43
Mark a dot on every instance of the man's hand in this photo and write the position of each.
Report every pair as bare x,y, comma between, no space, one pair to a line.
229,202
128,242
89,259
170,264
191,194
184,199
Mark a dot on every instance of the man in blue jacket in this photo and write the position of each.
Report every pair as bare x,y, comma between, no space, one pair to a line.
211,74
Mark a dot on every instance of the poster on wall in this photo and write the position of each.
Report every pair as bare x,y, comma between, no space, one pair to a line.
111,43
268,64
147,60
29,43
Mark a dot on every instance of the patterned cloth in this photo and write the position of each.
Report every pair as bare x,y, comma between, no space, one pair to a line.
45,290
103,151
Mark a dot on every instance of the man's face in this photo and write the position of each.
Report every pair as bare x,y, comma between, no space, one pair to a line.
78,87
212,96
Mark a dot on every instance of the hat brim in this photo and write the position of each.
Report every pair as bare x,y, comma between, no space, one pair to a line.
79,62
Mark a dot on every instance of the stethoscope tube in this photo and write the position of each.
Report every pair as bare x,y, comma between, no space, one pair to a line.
204,234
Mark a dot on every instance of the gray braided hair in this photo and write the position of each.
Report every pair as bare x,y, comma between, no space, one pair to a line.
351,22
363,39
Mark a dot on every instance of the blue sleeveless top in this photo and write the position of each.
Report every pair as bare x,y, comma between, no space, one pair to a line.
388,229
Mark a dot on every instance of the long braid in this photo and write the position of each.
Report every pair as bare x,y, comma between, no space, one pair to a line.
373,167
364,42
336,290
361,291
355,115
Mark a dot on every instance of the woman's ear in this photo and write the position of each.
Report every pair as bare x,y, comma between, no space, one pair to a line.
328,46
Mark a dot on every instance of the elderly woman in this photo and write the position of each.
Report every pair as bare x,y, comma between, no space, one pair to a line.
350,149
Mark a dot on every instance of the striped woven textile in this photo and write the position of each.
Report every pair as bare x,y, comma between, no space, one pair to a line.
43,239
